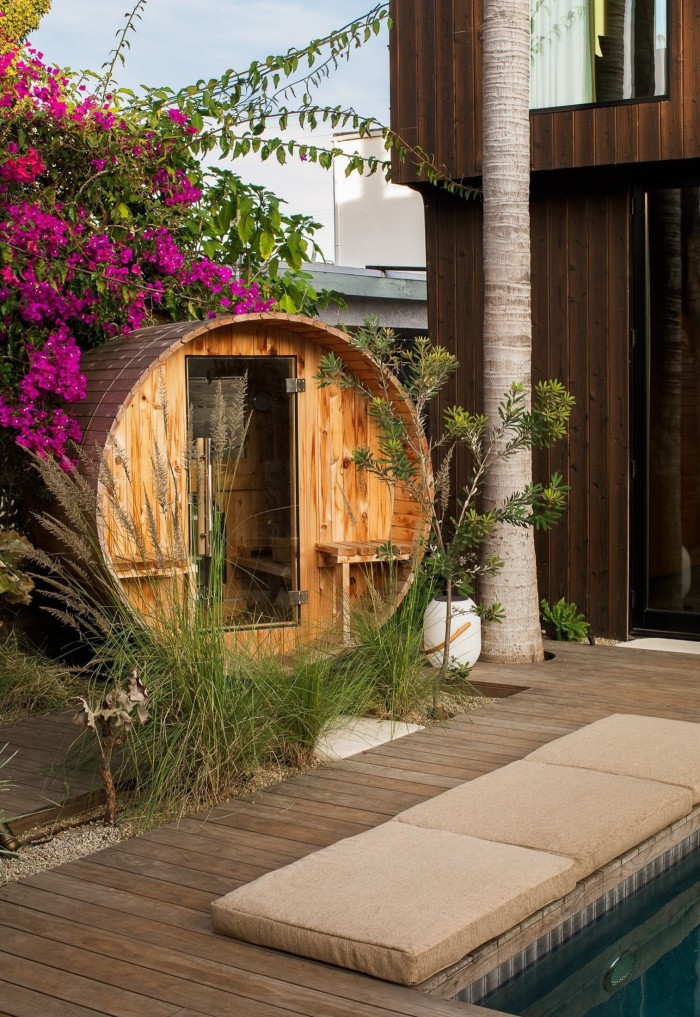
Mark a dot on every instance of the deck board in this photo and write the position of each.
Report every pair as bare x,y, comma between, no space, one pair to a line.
128,930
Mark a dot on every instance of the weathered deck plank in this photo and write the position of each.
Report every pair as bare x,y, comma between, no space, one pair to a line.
127,931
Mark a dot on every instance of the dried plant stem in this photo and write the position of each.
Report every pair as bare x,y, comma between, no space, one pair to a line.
107,743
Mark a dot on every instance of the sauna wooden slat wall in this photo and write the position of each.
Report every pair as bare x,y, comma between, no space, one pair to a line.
436,98
581,322
127,381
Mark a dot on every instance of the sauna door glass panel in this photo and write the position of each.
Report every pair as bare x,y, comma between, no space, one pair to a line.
243,487
672,440
596,51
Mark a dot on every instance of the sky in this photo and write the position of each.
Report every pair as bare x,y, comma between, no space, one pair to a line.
177,42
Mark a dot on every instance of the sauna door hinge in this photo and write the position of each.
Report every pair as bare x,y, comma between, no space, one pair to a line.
633,598
294,386
298,597
633,339
633,469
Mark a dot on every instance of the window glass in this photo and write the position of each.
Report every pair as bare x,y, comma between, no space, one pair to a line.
594,51
673,464
243,487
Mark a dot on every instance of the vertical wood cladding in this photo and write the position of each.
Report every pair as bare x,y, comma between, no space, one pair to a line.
581,327
436,98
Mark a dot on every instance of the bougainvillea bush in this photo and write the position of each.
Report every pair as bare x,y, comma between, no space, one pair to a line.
97,238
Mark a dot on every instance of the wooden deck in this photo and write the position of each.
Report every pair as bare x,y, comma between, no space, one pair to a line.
127,932
47,783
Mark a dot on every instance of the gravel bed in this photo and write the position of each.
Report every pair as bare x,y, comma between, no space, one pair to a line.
87,834
67,846
85,838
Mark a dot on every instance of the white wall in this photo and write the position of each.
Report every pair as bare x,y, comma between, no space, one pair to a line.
376,223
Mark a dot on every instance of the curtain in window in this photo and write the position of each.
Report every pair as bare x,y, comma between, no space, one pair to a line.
564,39
586,51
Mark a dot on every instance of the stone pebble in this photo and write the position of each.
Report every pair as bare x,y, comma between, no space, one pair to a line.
67,846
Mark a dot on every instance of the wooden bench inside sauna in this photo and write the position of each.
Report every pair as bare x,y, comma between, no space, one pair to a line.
292,529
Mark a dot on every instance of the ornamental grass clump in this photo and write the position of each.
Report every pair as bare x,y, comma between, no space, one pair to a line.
31,683
387,652
313,698
220,713
206,726
209,705
221,703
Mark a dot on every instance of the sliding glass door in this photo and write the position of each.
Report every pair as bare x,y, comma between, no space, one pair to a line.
667,583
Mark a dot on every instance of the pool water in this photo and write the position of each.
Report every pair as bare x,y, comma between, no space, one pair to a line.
640,959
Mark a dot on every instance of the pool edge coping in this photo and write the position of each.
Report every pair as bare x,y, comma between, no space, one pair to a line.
448,982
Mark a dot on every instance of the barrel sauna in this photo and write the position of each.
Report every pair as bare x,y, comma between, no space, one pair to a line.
222,457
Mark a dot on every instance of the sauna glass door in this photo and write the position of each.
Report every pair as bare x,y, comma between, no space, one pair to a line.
667,451
243,487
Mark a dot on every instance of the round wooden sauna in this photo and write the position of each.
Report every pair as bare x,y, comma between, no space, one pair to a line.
223,457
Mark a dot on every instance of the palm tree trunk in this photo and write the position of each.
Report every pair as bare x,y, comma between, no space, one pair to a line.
507,317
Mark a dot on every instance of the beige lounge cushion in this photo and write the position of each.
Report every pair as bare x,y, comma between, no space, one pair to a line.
649,747
398,902
591,817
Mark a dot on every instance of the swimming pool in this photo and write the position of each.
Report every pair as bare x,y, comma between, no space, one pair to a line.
640,959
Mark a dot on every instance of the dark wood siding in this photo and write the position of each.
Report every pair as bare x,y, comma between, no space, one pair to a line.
436,98
581,328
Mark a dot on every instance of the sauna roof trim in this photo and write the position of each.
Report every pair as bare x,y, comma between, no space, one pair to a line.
121,365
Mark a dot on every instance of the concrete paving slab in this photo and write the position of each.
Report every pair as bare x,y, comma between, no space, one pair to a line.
358,734
669,645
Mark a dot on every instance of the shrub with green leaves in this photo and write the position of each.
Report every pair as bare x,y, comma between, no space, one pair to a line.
458,526
563,621
15,585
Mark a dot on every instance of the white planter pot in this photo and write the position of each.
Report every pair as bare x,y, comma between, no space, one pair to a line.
465,635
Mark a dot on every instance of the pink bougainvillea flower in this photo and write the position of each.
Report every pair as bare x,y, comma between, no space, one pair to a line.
178,117
84,259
